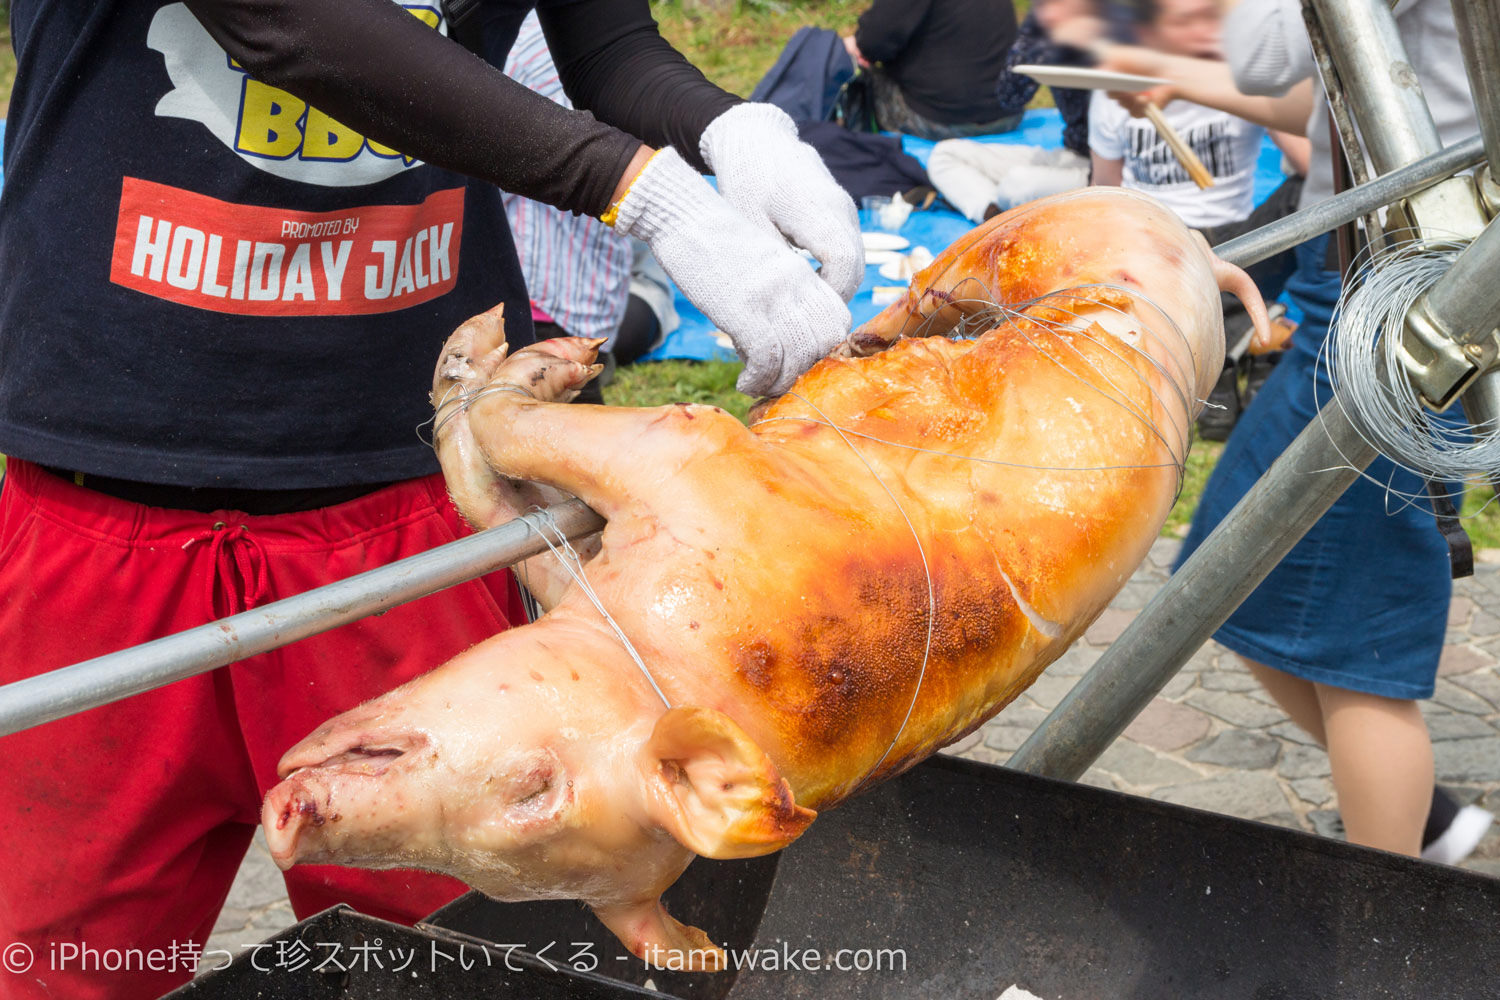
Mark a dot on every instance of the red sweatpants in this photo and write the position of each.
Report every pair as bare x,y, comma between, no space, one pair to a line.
123,827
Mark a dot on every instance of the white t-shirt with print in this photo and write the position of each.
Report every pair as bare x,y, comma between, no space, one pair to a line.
1228,147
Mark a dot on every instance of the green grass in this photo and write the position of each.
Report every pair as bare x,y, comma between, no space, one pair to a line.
735,49
679,382
7,66
1482,517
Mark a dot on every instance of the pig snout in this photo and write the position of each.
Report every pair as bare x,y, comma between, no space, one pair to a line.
288,810
335,783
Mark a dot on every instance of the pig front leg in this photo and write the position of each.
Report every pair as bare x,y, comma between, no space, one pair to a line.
473,356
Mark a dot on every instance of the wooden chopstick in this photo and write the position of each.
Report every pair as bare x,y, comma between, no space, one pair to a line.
1185,155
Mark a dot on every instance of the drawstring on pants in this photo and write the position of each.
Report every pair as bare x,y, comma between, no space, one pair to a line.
239,567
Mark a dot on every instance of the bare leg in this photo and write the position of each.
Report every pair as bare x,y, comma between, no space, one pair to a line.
1298,698
1381,758
1378,750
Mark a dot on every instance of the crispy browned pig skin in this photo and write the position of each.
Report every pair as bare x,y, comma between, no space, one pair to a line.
894,551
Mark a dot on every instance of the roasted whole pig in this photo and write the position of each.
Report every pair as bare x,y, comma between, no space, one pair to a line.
884,559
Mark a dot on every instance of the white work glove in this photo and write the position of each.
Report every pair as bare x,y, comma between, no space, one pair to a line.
781,316
778,181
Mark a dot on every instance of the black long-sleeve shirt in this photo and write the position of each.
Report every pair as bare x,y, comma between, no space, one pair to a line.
377,69
944,54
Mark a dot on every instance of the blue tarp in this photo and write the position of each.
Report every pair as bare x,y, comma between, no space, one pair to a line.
934,229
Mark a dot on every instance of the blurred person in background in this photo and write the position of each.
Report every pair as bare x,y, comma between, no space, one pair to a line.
1347,631
933,65
983,178
1128,150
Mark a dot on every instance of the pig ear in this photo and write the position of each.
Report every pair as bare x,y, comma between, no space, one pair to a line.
714,790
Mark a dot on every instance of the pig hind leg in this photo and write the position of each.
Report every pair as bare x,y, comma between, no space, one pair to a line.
613,458
475,356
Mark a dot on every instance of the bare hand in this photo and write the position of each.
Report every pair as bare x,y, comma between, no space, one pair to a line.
1130,59
1135,102
852,47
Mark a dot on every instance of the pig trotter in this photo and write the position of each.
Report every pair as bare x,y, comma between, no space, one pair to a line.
656,938
475,365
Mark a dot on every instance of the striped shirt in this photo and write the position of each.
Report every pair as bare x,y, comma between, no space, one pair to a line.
577,269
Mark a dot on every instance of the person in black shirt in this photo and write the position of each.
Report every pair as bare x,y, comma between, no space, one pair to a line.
934,64
979,178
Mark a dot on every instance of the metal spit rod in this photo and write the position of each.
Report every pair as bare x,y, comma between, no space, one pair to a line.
109,678
142,668
1323,461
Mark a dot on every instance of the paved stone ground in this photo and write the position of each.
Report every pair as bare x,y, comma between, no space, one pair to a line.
1213,739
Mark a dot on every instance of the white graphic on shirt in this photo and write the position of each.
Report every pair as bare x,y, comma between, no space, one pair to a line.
263,125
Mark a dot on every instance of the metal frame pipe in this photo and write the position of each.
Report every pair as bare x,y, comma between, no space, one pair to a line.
1467,297
109,678
1478,24
1341,121
1379,82
1301,226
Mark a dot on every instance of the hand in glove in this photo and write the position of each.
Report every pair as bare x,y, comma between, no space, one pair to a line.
778,181
781,316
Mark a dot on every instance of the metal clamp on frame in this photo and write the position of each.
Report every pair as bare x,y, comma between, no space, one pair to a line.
1440,368
1489,191
1451,338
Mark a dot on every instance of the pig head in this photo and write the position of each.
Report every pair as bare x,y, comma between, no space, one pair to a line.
534,766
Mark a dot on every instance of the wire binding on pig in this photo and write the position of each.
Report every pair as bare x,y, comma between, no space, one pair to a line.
540,520
993,313
447,409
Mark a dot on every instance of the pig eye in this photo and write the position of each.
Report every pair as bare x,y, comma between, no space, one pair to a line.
536,791
541,789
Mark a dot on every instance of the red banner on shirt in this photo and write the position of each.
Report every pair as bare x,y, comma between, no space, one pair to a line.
256,261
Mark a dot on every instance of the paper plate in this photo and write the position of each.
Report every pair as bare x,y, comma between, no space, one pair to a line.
880,258
902,266
1082,78
884,241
